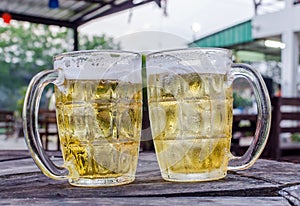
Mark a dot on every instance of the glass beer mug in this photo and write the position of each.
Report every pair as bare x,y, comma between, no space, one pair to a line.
190,104
98,97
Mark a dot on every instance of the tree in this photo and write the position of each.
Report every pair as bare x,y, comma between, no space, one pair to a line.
28,48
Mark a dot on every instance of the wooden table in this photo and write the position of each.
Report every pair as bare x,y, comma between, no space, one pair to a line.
266,183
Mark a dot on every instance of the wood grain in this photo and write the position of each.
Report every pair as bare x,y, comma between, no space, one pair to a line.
266,183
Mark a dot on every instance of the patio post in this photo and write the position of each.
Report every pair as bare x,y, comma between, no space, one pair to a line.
290,59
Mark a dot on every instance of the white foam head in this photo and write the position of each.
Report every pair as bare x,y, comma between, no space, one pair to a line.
199,60
105,64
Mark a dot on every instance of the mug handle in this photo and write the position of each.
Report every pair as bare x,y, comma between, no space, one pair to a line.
30,123
263,117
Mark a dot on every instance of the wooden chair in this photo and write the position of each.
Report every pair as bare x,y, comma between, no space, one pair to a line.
7,123
285,119
242,131
48,127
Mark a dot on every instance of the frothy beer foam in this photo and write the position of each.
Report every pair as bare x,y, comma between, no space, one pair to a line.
213,61
92,65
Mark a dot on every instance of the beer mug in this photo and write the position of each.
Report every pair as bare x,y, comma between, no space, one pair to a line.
98,98
190,104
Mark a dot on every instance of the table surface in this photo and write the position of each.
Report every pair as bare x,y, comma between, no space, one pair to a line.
266,183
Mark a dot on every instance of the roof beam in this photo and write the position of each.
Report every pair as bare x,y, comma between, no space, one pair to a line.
113,9
41,20
94,9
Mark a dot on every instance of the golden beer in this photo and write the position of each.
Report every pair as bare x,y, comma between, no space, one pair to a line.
191,121
99,124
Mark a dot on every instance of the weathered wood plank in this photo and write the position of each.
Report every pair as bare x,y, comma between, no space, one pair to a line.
293,101
240,117
290,129
290,115
6,155
283,173
21,182
35,185
203,201
292,194
27,181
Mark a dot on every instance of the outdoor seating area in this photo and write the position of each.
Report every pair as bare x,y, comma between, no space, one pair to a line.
157,104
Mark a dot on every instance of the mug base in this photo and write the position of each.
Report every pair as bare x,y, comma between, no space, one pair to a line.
105,182
194,177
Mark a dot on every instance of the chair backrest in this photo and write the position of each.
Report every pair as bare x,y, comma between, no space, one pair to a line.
285,119
7,120
243,125
48,127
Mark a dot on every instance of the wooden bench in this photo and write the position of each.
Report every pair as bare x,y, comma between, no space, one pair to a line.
7,121
285,120
48,127
243,127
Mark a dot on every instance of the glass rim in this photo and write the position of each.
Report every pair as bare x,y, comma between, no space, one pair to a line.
191,49
93,52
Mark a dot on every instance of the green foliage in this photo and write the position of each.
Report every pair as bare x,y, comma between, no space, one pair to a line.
95,42
20,102
26,49
295,137
240,102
